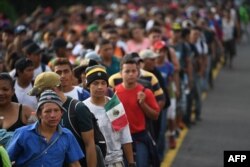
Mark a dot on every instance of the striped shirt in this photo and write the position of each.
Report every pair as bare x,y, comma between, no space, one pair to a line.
116,79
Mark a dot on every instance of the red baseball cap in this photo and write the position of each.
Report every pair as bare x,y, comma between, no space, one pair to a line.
159,45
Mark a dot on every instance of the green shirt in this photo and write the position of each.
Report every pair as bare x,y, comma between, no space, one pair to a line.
114,67
4,157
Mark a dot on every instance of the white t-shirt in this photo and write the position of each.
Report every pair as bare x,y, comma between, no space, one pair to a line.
228,29
73,93
113,139
39,70
23,97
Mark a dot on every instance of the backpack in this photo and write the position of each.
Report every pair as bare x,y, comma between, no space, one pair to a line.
98,136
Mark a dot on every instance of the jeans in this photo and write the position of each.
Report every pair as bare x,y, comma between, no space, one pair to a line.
206,78
194,95
161,142
142,155
197,93
182,101
145,150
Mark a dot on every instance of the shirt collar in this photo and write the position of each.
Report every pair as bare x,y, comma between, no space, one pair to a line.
35,125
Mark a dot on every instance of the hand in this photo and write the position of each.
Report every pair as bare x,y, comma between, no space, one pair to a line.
141,97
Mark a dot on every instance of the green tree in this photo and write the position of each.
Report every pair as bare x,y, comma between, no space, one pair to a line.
8,10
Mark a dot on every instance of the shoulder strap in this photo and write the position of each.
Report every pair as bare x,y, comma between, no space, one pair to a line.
202,46
20,111
45,150
43,67
72,115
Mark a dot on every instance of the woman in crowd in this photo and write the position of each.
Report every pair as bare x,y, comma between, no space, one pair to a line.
14,115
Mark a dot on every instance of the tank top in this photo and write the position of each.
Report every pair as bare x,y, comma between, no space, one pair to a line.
19,122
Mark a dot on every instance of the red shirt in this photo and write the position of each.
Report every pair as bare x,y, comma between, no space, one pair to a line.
135,115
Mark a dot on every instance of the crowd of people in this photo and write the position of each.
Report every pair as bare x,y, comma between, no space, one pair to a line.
110,86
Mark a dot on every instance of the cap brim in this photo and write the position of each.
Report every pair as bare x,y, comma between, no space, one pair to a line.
155,56
159,47
152,57
33,92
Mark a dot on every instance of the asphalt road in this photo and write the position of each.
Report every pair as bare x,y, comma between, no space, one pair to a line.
226,118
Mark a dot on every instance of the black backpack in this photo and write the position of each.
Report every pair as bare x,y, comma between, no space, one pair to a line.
99,138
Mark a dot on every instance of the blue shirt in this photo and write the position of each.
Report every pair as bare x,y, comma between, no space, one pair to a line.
82,94
167,69
27,143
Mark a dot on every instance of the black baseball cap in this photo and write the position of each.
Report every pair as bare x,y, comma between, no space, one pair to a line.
33,48
59,43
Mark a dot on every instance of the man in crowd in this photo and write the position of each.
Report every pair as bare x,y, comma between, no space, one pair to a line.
33,52
23,82
118,139
63,68
45,143
60,47
140,105
146,78
106,53
149,64
51,80
196,91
